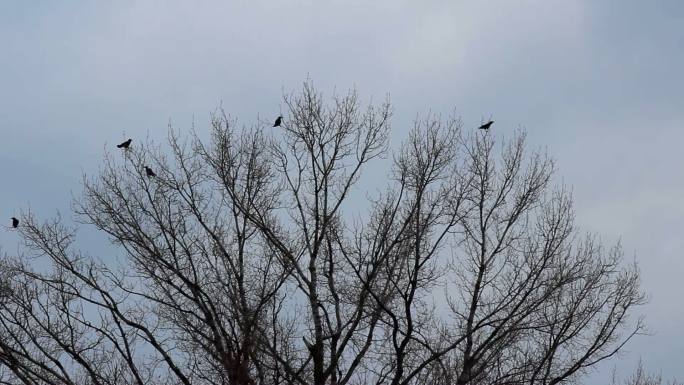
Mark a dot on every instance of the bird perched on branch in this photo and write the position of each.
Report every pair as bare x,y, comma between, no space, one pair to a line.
486,125
125,144
15,222
149,172
278,121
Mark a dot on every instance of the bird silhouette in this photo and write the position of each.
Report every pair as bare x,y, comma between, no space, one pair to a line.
278,121
486,125
149,172
15,222
125,144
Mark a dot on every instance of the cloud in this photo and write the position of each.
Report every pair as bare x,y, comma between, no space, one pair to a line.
598,83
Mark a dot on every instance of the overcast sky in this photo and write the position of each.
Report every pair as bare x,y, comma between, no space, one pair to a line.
599,83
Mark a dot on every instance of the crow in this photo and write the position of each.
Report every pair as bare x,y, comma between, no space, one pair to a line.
125,144
149,172
278,121
486,125
15,222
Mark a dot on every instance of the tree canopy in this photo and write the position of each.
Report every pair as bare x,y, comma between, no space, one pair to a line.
247,259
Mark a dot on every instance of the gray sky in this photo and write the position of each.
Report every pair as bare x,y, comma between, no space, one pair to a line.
597,82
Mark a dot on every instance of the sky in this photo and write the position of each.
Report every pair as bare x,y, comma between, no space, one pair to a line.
599,84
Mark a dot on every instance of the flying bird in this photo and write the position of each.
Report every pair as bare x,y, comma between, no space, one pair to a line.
149,172
278,121
15,222
125,144
486,125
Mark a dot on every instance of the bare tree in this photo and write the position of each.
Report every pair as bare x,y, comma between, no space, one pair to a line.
246,260
641,376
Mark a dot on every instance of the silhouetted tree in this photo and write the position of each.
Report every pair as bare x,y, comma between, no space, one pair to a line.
641,376
246,263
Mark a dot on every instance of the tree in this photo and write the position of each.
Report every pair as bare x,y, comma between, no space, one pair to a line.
641,376
245,262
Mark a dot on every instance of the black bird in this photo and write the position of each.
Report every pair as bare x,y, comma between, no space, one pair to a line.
278,121
149,172
486,125
15,222
124,144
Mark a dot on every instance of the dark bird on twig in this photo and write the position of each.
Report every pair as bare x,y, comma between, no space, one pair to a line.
486,125
15,222
125,144
149,172
278,121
